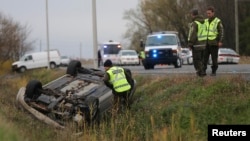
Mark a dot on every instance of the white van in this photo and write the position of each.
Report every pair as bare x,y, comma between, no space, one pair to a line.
162,48
37,60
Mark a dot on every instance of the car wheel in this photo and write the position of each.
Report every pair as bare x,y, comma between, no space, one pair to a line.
152,66
52,65
146,66
177,64
22,69
33,89
73,67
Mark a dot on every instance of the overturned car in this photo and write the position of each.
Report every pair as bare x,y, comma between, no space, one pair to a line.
79,96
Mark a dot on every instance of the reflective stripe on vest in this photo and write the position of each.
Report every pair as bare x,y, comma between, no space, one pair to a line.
212,28
202,31
118,79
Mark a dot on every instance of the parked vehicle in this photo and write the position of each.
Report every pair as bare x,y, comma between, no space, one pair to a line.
109,50
187,56
37,60
65,60
228,56
128,57
162,48
225,56
80,96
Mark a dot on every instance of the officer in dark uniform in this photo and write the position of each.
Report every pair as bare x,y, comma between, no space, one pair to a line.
197,41
215,35
119,80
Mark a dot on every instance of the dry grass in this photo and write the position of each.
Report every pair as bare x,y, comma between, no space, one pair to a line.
166,108
244,60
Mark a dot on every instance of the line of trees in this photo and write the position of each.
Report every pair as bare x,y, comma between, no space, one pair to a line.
162,15
13,39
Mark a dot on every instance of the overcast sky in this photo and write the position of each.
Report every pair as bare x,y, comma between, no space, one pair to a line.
70,22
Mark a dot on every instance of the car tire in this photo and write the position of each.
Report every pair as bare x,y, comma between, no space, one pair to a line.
73,67
152,66
52,65
146,66
33,89
22,69
178,63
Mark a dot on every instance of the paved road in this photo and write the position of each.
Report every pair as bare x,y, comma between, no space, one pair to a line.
224,69
230,69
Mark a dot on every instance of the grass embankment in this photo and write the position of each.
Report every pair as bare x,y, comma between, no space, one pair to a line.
167,107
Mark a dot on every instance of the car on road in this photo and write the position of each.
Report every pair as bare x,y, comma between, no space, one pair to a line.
128,57
187,56
162,48
36,60
65,60
228,56
80,96
225,56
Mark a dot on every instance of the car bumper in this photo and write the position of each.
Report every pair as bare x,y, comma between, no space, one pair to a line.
168,60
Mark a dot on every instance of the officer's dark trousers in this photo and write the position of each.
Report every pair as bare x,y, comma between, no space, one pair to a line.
213,51
198,58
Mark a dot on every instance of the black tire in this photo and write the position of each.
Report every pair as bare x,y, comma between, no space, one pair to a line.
152,66
52,65
33,89
146,66
178,63
73,68
22,69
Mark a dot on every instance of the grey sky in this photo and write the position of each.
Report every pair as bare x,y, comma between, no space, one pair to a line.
70,22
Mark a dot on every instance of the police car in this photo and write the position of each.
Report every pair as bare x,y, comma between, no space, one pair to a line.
162,48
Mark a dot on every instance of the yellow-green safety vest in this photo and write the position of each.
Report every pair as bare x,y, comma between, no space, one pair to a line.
118,79
202,31
142,54
212,28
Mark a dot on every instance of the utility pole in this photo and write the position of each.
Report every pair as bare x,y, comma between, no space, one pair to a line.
94,33
47,25
40,46
236,26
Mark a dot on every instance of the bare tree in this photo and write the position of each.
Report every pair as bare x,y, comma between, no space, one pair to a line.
161,15
13,39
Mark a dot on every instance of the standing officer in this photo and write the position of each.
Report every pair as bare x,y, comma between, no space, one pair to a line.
141,56
215,35
99,58
197,41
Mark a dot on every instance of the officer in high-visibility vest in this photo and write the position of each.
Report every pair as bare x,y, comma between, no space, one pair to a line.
197,41
117,79
141,56
215,35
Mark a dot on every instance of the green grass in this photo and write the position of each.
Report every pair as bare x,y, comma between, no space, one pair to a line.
171,107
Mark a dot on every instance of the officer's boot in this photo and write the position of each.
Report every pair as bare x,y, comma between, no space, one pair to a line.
213,71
